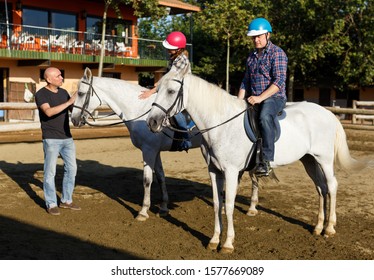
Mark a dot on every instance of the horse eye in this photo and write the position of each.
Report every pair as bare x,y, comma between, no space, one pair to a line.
80,93
171,91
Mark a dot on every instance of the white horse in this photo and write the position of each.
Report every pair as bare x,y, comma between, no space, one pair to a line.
309,133
122,98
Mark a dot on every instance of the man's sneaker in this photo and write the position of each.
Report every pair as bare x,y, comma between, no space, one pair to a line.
70,206
53,211
263,169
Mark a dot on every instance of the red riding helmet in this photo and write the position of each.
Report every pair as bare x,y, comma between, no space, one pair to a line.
175,40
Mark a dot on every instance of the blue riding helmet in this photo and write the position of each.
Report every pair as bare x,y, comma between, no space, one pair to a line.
259,26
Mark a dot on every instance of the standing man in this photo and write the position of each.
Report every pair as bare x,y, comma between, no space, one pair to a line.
264,83
53,104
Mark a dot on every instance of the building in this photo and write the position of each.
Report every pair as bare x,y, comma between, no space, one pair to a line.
67,34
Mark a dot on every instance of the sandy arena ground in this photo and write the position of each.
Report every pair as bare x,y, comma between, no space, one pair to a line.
109,190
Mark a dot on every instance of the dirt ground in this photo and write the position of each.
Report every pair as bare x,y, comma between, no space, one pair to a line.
109,190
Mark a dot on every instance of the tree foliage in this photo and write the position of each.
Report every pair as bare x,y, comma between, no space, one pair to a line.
328,42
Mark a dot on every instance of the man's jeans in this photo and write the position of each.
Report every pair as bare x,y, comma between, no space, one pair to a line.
269,110
52,149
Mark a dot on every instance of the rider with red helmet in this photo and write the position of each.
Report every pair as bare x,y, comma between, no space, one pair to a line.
175,43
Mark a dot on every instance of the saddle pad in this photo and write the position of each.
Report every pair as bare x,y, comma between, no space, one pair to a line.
250,131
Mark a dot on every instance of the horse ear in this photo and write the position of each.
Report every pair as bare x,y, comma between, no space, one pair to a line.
87,74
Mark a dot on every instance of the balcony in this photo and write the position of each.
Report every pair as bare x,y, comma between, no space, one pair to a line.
32,45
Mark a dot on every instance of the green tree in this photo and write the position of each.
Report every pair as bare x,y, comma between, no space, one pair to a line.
223,21
357,67
328,42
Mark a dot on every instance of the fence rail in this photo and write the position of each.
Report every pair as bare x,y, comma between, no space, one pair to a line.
30,106
19,125
335,110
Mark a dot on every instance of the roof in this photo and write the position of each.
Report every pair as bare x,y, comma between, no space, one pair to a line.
179,7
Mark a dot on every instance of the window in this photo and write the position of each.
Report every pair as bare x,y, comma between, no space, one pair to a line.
116,27
93,26
112,75
35,17
64,21
41,18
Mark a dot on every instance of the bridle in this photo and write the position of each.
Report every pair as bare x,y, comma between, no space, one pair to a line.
179,103
90,92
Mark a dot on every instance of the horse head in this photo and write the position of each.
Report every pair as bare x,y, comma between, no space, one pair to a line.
87,99
168,102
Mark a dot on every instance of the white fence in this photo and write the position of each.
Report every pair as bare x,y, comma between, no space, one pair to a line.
17,125
364,105
357,113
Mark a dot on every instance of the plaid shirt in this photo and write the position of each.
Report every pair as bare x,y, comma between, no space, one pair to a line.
261,72
179,63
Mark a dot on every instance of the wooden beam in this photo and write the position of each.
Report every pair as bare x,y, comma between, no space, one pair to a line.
34,62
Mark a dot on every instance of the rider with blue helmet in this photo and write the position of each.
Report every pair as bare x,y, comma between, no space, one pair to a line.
264,83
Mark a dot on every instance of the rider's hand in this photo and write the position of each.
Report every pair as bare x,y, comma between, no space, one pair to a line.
145,94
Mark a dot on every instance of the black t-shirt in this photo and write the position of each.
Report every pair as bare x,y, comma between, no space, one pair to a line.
57,126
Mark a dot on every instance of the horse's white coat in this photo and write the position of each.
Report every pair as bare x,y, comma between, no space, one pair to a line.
309,133
122,98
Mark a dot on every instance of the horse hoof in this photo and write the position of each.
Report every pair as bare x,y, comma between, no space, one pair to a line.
252,213
329,234
163,213
226,250
212,246
141,218
317,231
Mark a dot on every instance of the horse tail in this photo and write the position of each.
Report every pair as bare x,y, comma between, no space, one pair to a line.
342,154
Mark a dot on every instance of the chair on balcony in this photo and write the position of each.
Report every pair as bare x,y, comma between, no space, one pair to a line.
78,47
3,41
122,50
16,40
95,47
52,43
109,47
61,43
28,42
44,44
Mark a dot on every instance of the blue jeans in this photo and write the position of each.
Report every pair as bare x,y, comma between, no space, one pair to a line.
52,149
269,110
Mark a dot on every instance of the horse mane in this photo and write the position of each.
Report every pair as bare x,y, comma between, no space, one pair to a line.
212,98
119,82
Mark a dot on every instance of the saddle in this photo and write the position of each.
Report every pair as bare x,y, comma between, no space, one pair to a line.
252,129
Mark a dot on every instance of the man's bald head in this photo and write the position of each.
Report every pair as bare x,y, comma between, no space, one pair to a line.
52,76
50,71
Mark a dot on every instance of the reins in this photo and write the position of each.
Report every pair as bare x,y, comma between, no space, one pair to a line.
179,101
91,91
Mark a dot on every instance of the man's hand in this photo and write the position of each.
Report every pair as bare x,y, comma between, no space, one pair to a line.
72,98
253,99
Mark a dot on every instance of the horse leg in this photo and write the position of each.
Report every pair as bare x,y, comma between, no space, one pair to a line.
332,185
231,177
147,182
160,175
252,211
217,182
316,173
